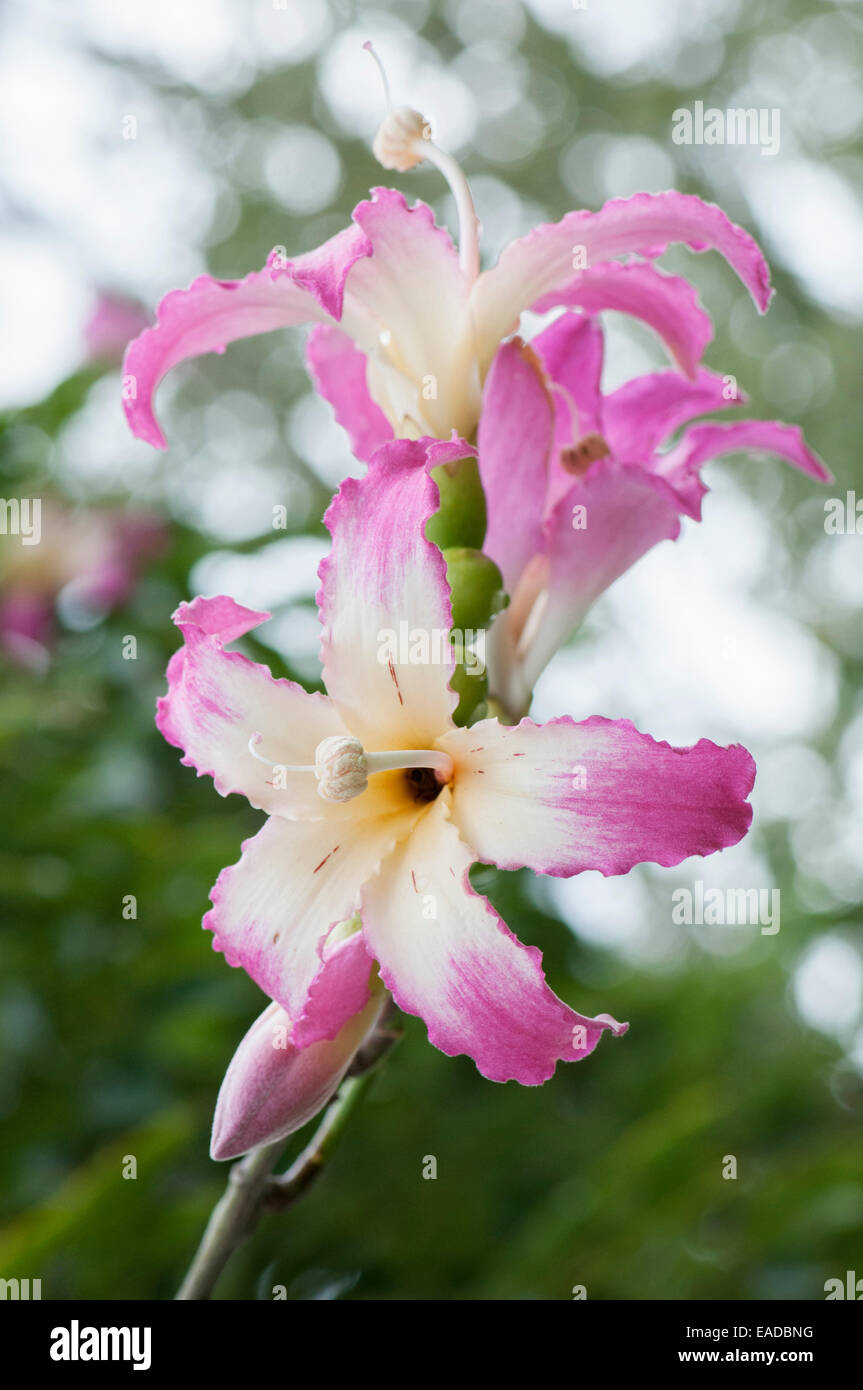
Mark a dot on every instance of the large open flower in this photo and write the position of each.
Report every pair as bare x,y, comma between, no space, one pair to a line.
378,804
406,327
579,485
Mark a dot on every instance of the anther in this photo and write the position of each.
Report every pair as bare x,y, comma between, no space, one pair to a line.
577,458
342,766
403,141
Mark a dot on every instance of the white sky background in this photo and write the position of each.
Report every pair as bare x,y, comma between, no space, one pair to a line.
701,638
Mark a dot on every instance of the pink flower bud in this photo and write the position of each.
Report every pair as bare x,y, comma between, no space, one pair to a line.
272,1088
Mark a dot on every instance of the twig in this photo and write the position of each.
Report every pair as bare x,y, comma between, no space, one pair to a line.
231,1221
281,1192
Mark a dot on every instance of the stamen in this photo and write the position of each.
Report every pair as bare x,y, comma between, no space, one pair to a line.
403,141
440,763
343,768
528,605
567,397
577,458
533,583
531,626
468,222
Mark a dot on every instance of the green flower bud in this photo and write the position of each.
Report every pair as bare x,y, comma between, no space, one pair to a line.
472,691
476,587
460,520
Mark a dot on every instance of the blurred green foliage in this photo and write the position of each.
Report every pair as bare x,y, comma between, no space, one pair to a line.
115,1033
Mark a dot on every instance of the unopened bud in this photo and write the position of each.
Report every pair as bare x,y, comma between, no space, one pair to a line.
272,1087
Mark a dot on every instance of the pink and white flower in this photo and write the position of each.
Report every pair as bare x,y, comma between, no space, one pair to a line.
406,327
377,804
579,485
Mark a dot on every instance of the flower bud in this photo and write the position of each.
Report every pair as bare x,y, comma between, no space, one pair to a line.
461,517
476,587
272,1088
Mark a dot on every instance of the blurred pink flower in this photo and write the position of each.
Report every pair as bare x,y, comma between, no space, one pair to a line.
88,559
114,322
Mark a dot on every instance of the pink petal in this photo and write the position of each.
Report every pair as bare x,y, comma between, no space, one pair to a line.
383,579
667,303
413,295
640,415
516,431
448,958
217,700
571,351
338,370
211,313
275,910
708,441
541,267
563,797
627,512
272,1087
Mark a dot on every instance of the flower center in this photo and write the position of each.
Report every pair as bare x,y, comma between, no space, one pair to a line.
343,767
424,783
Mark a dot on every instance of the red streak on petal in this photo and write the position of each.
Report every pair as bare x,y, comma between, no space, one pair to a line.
324,860
392,671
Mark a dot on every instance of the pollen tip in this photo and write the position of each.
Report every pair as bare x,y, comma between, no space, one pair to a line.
341,768
577,458
398,143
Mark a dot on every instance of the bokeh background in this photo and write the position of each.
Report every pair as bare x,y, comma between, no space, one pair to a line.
143,144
